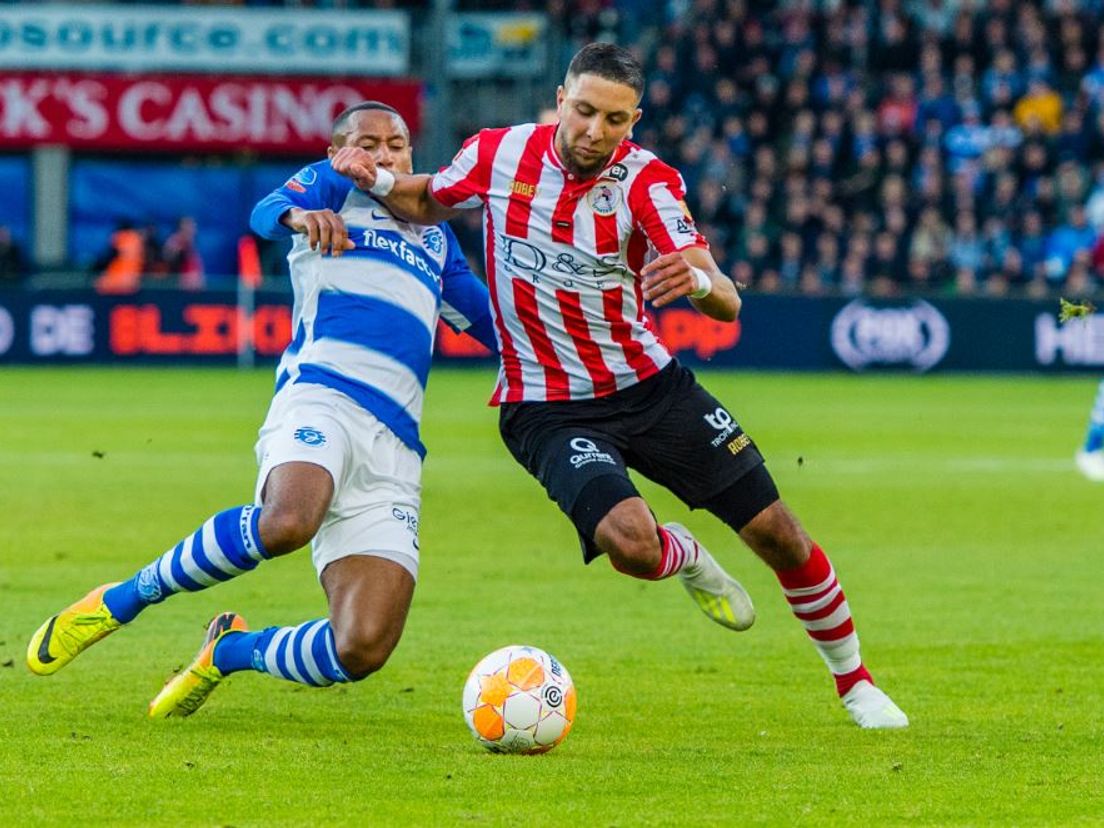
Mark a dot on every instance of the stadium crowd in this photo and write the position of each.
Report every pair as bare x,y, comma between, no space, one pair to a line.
870,146
890,146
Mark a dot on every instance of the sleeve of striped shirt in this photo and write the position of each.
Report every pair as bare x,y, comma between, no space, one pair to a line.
465,303
657,199
464,182
314,187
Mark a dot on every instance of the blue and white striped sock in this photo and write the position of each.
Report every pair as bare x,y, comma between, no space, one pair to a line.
305,654
1094,439
227,545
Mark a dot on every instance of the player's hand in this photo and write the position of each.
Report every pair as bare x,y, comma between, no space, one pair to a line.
667,278
325,230
355,163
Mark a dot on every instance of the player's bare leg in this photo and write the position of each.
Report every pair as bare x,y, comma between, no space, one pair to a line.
369,599
817,600
295,498
637,546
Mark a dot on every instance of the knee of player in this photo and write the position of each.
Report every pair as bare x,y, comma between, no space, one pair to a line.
362,651
285,531
776,535
632,547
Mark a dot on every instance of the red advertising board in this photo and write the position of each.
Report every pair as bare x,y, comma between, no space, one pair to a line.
187,112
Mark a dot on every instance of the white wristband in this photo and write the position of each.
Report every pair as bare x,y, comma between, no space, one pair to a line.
705,284
385,183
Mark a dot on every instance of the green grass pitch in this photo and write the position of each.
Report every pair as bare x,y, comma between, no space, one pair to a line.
970,550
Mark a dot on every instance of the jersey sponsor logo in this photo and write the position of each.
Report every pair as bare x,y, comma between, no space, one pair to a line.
295,186
618,172
604,199
433,240
523,188
409,520
310,436
587,452
917,335
739,444
723,422
392,244
603,273
684,227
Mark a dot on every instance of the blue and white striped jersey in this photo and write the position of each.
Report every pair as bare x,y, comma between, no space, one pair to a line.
364,321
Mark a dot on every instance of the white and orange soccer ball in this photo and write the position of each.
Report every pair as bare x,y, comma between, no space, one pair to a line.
519,700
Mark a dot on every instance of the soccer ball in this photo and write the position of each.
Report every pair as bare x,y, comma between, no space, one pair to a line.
519,700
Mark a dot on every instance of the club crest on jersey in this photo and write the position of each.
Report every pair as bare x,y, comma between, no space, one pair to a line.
604,199
299,182
310,436
433,240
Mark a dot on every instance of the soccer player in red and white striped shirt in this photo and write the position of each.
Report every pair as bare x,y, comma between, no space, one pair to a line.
582,227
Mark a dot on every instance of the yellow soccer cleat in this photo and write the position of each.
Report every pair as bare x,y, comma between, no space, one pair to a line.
186,692
70,632
717,594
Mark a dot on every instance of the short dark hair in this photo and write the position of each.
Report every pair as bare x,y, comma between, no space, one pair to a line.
609,61
341,121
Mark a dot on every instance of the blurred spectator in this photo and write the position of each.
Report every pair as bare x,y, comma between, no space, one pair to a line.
153,261
1001,84
967,141
966,252
125,261
1032,247
182,256
931,243
936,104
1070,242
1041,107
11,259
1094,206
897,113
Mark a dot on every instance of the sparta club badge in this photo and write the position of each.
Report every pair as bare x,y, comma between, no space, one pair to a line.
604,199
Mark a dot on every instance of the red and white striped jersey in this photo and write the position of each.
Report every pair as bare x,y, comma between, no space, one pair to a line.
563,258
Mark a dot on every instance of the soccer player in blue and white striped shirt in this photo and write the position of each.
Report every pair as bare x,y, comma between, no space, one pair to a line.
339,452
1090,459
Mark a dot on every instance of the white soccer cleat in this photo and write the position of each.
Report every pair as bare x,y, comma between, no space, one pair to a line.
873,709
1091,464
718,594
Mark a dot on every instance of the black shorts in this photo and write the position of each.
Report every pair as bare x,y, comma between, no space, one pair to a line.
668,428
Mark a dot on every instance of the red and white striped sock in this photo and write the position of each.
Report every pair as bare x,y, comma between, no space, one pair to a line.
817,600
678,551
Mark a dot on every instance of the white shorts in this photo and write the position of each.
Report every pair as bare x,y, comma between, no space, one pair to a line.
377,478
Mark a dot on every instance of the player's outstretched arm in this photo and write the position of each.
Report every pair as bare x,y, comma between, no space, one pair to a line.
407,196
691,272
